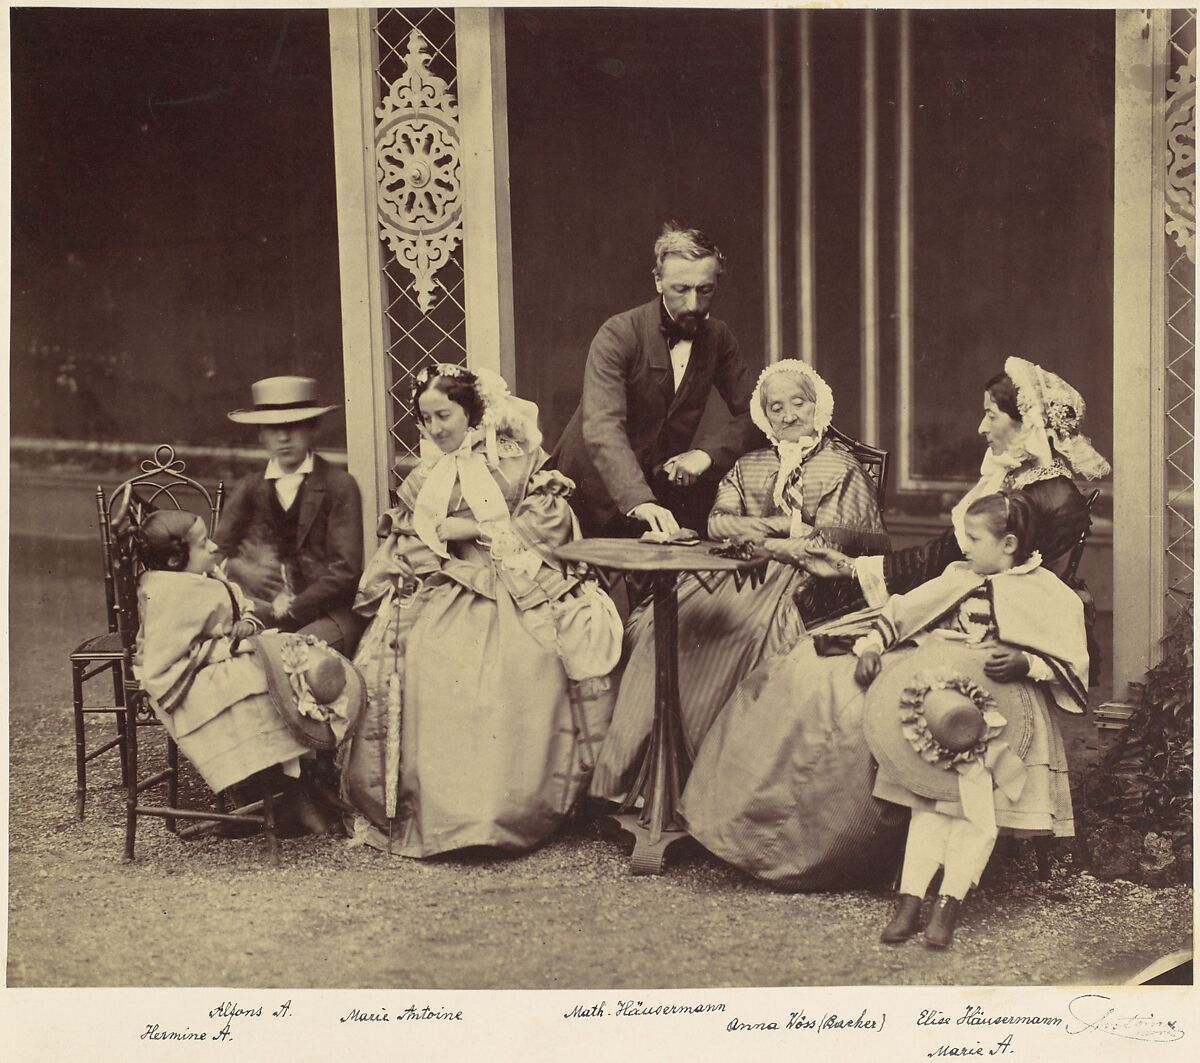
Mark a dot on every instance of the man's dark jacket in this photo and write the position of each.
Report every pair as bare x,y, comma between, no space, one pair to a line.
630,418
328,556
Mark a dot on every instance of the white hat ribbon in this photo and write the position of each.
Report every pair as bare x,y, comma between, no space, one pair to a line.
480,492
1000,769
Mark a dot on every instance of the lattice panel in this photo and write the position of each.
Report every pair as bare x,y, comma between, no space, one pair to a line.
417,157
1180,393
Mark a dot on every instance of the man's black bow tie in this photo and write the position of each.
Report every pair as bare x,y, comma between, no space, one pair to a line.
672,329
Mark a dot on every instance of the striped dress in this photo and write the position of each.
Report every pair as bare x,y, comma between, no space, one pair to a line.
725,633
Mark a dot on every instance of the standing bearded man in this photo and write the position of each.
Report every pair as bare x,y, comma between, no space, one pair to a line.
630,446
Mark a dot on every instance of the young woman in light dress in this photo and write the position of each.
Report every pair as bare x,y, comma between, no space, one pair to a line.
486,665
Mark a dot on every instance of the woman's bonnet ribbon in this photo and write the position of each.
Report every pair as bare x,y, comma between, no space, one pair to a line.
468,469
789,484
992,471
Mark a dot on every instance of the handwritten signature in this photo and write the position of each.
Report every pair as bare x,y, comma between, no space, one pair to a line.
1094,1012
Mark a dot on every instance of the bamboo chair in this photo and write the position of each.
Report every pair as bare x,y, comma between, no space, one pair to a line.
159,478
96,656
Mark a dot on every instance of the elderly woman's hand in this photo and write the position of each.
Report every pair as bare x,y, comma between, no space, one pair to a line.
781,549
791,549
825,562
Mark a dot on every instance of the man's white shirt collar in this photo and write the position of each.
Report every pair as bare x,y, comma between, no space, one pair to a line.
681,353
274,472
287,484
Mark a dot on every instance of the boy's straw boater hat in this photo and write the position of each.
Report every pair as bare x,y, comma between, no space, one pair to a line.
936,714
282,400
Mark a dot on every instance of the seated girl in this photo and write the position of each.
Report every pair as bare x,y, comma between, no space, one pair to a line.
236,700
486,664
964,730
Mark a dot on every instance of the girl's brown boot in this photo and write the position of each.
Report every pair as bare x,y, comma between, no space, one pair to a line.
904,922
939,931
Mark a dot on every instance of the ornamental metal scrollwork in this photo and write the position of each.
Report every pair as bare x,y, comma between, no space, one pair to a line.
1181,162
417,162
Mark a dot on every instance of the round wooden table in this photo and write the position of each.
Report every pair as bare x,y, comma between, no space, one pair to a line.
666,764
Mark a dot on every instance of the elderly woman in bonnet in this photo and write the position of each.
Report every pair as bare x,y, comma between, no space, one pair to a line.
486,665
806,487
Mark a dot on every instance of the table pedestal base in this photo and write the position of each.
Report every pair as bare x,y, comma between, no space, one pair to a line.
648,854
648,811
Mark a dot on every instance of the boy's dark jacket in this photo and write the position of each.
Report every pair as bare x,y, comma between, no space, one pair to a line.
329,545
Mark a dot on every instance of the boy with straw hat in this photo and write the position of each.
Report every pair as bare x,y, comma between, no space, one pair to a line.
292,535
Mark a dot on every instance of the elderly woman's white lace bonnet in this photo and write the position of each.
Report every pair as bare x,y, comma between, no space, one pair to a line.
788,493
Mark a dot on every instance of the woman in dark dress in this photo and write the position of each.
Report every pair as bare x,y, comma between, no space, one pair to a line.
782,786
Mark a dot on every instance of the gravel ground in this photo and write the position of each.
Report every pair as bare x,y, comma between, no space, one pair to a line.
212,911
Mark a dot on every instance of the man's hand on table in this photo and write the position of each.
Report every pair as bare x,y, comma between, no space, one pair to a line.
658,517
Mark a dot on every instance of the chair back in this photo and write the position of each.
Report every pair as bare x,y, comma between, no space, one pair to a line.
162,483
1076,555
102,522
126,568
874,461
